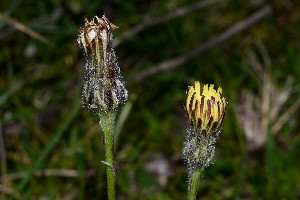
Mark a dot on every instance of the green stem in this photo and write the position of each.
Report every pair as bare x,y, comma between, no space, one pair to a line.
194,180
107,122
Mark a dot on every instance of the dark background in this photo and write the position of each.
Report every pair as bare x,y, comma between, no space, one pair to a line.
51,147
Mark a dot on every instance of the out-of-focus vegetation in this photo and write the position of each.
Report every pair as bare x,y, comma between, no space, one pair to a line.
52,148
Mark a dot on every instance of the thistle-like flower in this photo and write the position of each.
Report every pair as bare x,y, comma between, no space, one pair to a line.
205,113
103,87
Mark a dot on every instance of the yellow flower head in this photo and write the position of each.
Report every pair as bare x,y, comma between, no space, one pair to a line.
205,110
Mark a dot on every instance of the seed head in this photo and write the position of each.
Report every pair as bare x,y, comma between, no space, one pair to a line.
103,87
205,113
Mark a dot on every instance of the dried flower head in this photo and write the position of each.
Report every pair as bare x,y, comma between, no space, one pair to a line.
205,113
103,87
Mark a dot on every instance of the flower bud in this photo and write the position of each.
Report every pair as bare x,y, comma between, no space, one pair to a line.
103,87
205,113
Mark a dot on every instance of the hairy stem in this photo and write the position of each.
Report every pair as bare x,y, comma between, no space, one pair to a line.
194,180
107,122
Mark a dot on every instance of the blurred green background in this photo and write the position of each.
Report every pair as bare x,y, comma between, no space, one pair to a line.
51,147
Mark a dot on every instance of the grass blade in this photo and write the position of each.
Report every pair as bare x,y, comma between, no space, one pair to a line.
50,146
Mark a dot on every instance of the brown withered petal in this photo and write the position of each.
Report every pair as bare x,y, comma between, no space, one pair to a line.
214,126
196,108
208,109
191,103
199,123
202,106
210,121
